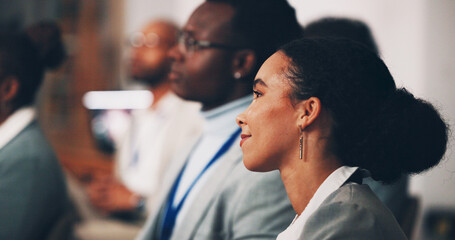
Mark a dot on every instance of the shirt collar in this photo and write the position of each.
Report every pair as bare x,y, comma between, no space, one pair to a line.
164,107
222,119
15,123
334,181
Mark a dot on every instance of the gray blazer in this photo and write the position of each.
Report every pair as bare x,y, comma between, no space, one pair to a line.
352,212
32,188
234,204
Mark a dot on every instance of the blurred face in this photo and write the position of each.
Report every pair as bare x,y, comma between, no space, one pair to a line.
149,61
204,74
270,132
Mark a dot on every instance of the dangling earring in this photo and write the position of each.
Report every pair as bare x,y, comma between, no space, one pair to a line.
237,75
301,146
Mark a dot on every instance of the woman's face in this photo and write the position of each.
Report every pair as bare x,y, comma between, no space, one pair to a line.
270,132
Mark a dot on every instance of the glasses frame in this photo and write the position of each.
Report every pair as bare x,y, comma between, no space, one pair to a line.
188,44
139,40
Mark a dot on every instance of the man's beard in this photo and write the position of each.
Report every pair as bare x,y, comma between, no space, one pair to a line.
152,80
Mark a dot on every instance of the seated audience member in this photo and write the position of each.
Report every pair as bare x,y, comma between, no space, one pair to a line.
332,110
33,193
394,195
208,193
352,29
154,135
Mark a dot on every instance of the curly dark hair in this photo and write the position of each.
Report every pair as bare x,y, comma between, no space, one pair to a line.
375,125
26,55
263,26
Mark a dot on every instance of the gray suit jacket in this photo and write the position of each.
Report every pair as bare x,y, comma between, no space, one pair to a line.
32,188
352,212
234,204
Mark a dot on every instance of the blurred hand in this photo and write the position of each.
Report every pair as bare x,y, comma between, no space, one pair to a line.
110,196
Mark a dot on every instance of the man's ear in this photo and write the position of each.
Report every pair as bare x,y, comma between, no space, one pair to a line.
244,62
308,111
9,88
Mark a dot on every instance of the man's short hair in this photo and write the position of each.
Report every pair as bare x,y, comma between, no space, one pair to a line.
263,25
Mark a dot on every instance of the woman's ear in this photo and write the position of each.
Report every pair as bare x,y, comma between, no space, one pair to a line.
9,88
308,111
243,63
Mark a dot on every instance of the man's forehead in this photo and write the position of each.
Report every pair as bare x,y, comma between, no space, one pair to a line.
210,18
155,28
151,28
163,30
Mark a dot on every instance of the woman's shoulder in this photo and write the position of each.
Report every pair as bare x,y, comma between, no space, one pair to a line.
355,197
353,193
32,141
352,211
30,150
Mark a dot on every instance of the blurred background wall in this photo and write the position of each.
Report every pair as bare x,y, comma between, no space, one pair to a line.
416,39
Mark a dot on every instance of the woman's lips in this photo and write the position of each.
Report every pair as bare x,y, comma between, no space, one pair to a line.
244,138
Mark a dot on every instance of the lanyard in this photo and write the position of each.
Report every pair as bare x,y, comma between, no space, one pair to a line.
134,146
171,212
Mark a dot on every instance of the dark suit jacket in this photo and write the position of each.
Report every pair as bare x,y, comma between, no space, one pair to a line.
352,212
32,187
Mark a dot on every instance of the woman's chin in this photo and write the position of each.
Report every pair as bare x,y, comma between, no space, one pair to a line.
256,166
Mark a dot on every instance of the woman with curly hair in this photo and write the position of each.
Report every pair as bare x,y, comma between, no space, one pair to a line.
326,113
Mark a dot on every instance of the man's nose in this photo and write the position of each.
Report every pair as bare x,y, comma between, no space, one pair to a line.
174,53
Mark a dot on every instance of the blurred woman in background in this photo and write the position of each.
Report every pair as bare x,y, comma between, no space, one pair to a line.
32,189
323,112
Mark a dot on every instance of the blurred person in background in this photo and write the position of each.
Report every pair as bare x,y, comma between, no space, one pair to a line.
207,192
154,135
33,193
18,15
394,195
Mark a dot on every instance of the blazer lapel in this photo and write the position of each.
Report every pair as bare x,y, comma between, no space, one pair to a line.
170,175
174,170
207,194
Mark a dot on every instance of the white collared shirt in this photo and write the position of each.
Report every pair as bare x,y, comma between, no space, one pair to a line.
15,123
334,181
152,140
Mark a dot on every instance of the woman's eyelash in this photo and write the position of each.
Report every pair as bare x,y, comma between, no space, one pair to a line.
256,93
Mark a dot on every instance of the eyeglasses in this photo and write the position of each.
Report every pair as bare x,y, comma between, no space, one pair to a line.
188,44
139,39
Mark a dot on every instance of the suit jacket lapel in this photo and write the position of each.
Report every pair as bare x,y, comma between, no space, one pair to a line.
170,175
205,197
174,170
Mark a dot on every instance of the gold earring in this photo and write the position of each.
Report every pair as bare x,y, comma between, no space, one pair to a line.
301,146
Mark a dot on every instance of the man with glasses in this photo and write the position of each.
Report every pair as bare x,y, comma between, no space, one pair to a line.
207,191
154,134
